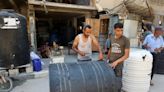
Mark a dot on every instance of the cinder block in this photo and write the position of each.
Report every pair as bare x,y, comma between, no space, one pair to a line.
29,69
13,72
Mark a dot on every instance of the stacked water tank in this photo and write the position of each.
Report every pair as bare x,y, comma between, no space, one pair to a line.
14,48
137,71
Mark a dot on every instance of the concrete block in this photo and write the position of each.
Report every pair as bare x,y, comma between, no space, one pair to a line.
13,72
29,69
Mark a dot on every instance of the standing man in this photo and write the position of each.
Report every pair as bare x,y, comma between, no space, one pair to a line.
155,44
107,43
147,30
118,52
83,45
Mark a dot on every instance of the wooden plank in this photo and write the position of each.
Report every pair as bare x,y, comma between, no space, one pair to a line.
104,26
63,5
96,27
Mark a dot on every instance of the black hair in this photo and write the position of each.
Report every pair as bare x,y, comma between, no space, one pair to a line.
86,26
148,26
118,25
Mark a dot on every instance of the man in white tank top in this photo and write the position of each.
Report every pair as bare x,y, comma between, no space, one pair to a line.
83,45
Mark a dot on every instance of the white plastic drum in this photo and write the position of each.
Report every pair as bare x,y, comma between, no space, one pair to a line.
137,71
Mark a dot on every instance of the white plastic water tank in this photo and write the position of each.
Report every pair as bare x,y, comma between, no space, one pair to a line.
137,71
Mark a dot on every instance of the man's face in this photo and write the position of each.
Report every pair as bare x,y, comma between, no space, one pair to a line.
158,32
118,32
87,32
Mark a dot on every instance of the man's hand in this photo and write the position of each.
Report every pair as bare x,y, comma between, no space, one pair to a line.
114,64
147,47
158,50
81,53
100,56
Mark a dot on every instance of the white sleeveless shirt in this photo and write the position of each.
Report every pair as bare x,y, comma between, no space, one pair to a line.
85,47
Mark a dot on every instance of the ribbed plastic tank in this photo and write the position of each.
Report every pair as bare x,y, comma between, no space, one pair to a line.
82,77
137,71
14,48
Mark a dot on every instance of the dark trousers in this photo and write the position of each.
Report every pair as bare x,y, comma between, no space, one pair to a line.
154,66
118,73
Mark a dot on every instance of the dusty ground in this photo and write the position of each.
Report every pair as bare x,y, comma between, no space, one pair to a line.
42,84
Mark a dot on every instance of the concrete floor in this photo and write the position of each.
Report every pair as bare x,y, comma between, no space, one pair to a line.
42,84
158,81
34,85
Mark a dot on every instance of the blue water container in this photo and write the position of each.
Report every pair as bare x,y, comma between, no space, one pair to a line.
37,66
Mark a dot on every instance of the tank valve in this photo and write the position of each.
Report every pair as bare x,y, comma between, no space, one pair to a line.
144,58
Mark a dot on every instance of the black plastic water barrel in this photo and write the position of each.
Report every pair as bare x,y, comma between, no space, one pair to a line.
14,48
82,77
160,63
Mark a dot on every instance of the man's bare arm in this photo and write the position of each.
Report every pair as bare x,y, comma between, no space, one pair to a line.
95,43
122,59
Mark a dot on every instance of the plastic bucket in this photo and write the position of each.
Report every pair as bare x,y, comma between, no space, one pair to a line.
37,66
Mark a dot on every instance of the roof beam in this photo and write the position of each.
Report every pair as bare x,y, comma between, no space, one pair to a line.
50,9
62,5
